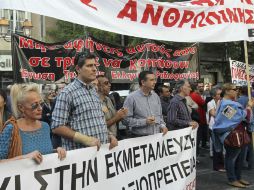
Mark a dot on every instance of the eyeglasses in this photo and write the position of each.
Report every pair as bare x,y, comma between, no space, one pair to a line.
36,105
235,89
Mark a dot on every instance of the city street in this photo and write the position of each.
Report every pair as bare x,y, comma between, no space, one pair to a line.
208,179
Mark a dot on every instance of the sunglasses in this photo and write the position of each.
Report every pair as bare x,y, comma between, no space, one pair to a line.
36,105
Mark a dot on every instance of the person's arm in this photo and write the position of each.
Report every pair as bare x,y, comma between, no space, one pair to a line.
120,114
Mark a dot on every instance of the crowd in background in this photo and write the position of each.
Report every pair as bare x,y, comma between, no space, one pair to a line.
84,113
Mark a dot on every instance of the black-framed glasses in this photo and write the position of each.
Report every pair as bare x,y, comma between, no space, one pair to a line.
36,105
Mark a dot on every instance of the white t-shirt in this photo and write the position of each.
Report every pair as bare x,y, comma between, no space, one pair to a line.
210,120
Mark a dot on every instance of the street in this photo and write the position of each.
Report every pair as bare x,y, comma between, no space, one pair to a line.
208,179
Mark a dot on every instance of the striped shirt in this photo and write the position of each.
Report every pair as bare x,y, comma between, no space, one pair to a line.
78,106
178,115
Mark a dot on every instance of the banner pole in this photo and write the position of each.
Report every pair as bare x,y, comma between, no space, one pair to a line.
248,78
247,68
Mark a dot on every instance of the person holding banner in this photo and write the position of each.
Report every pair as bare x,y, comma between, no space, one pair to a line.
111,115
144,108
229,130
78,116
179,116
26,137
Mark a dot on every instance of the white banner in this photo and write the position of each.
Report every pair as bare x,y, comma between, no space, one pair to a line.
238,73
192,21
5,63
152,162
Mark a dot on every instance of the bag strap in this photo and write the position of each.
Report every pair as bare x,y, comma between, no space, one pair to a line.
15,147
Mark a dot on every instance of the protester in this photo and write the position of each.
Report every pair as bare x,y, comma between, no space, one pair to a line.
165,96
144,108
49,96
229,130
26,137
203,128
218,158
178,115
4,113
111,115
78,116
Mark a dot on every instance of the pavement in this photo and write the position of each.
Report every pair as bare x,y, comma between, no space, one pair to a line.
208,179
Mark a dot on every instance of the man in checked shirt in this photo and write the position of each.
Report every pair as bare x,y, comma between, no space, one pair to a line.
78,116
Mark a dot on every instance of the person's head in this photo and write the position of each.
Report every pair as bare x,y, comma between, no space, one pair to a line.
3,99
164,91
193,86
26,101
200,87
103,85
59,87
243,91
183,87
86,67
147,80
216,93
229,91
207,87
95,84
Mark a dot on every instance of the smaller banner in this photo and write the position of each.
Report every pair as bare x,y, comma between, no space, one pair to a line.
238,73
153,162
45,63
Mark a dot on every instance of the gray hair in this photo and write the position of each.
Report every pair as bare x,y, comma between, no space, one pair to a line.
179,84
213,91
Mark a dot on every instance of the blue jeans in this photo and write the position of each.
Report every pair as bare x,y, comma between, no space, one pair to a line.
234,162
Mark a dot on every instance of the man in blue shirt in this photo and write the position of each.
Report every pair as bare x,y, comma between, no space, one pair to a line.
144,108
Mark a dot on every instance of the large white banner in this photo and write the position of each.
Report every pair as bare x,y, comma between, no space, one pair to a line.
192,21
152,162
238,73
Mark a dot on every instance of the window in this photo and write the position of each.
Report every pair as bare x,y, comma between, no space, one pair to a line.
15,18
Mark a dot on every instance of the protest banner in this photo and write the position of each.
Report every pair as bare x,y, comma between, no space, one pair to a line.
238,73
41,62
151,162
190,21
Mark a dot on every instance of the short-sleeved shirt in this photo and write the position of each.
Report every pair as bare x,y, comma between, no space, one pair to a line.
109,112
31,140
78,107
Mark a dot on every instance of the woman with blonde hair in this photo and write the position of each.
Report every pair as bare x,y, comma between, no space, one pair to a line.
27,136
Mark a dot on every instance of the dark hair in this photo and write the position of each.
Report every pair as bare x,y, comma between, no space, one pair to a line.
3,94
193,86
160,88
213,91
142,76
80,58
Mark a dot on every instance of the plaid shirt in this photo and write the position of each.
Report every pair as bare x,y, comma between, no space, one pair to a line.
78,107
178,115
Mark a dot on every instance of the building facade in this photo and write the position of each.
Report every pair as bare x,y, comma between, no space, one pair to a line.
39,26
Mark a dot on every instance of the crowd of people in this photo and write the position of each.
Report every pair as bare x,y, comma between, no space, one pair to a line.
83,114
